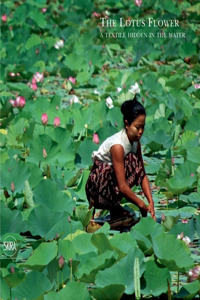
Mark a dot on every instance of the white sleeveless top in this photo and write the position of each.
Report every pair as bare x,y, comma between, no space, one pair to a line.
103,153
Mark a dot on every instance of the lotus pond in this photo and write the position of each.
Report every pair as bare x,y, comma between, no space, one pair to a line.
61,61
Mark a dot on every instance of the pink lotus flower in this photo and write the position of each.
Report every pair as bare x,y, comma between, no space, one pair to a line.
184,221
19,102
192,175
12,187
39,77
194,274
44,119
4,18
61,262
138,2
44,153
95,14
73,80
56,122
197,86
12,74
44,9
34,85
95,138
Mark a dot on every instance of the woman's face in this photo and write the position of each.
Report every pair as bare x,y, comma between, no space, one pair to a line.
135,129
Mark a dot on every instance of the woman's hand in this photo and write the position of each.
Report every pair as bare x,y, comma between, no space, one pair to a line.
152,211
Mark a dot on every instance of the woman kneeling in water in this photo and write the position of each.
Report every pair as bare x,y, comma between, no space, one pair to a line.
118,166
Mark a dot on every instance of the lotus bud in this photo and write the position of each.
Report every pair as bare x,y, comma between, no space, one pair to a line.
34,85
57,108
163,217
56,122
180,236
138,2
109,102
116,124
95,138
12,187
73,80
70,262
61,262
44,152
173,161
69,219
44,9
12,269
74,209
186,239
192,175
6,194
44,119
4,18
194,274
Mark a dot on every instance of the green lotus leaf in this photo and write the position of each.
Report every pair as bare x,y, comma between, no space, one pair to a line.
14,279
183,178
193,123
84,153
122,272
5,289
155,279
15,131
52,296
157,140
63,227
170,221
28,291
148,227
66,249
188,229
37,147
123,242
75,290
80,190
194,155
88,271
189,290
48,194
172,252
10,174
41,220
41,256
143,242
110,292
11,221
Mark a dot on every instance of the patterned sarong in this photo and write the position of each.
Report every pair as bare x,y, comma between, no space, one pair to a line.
102,184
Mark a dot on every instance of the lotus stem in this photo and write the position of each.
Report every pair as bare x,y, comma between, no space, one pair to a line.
58,280
177,282
136,271
62,278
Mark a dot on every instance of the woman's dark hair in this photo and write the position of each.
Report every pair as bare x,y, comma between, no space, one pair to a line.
131,109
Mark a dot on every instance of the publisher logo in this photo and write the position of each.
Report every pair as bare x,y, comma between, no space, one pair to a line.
10,246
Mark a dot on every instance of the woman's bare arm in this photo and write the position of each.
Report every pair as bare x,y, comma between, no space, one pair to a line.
146,187
117,153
